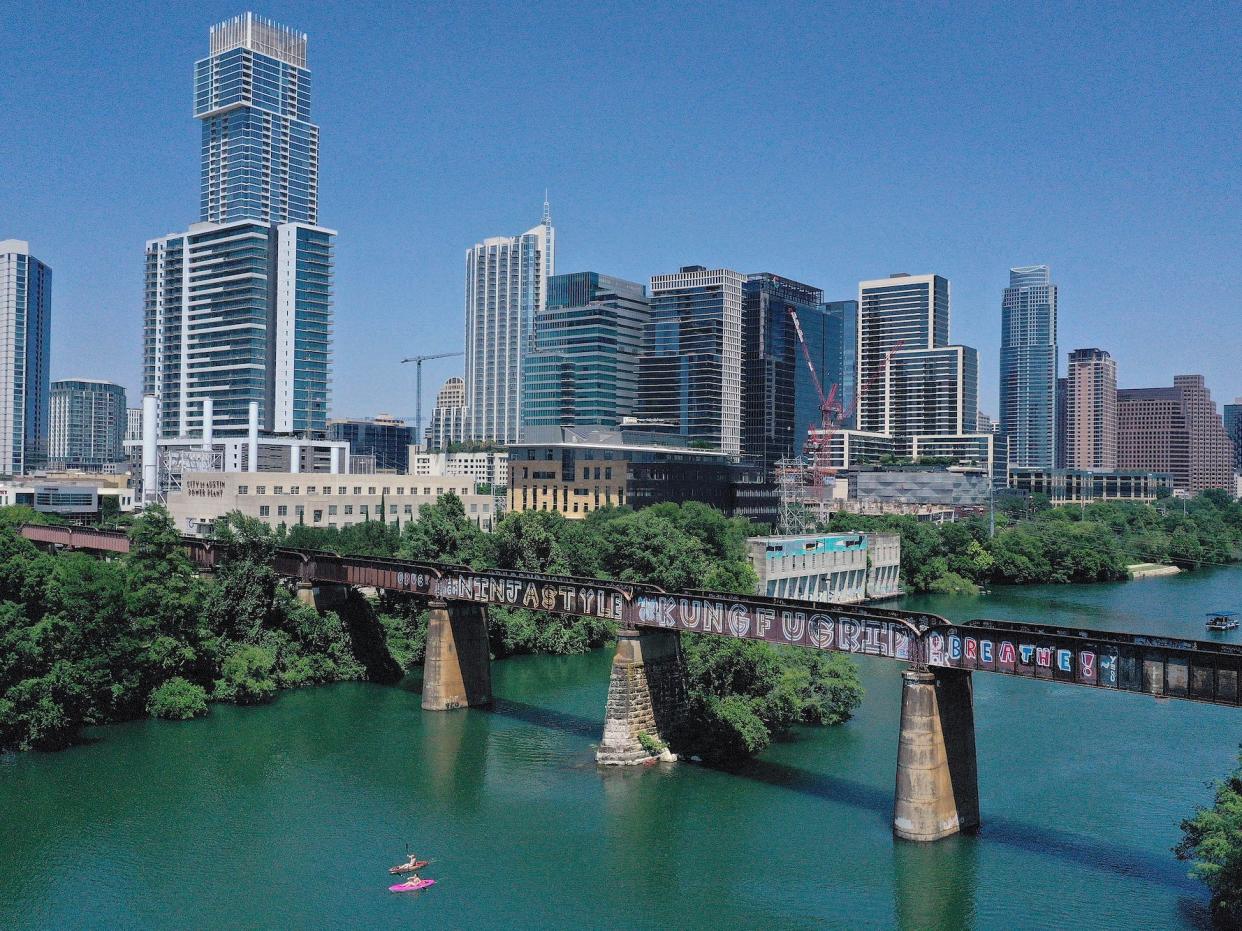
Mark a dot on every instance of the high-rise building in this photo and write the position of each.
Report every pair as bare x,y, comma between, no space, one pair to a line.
239,306
911,379
506,286
1028,366
933,391
448,420
88,424
1233,427
1059,454
1176,430
260,150
984,422
1091,410
384,437
133,423
583,369
690,372
896,314
25,341
779,400
842,343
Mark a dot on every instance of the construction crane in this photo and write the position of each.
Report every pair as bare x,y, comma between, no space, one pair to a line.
418,388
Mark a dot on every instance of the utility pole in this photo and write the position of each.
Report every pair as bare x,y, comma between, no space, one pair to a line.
418,388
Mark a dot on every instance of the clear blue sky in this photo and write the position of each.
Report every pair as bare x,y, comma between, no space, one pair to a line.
825,143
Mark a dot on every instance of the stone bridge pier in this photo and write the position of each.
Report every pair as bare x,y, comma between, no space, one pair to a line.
457,668
646,695
937,792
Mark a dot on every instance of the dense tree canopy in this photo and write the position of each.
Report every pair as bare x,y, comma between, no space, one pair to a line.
1213,840
1039,544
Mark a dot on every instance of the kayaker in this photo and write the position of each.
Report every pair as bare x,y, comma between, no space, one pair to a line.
410,862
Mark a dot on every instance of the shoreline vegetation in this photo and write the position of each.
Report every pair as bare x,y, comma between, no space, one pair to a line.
1036,544
87,641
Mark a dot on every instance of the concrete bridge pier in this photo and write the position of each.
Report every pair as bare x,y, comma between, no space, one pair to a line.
937,791
322,597
646,695
457,669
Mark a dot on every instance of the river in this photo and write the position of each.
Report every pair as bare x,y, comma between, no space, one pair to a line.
287,815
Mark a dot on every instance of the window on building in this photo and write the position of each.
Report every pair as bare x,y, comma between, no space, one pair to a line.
282,510
387,491
331,510
327,489
341,490
278,490
264,510
427,491
349,509
409,509
299,509
310,489
400,491
243,489
371,490
260,490
392,509
608,472
295,489
473,508
357,489
364,509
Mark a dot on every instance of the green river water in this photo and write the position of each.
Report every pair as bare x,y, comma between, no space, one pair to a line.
287,816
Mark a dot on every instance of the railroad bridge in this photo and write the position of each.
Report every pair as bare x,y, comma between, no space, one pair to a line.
936,793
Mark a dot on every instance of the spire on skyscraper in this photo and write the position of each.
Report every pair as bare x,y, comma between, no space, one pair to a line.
547,210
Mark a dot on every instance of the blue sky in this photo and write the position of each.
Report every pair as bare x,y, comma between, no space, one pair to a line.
826,143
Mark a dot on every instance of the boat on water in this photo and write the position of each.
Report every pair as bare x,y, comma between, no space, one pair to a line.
1222,620
412,886
408,867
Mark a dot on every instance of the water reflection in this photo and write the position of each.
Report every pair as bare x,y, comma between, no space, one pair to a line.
934,884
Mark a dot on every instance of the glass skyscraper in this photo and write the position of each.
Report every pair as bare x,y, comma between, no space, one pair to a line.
1028,366
260,150
690,372
25,342
779,398
88,423
506,287
238,308
583,370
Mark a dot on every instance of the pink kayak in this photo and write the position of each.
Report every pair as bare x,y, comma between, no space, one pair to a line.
412,887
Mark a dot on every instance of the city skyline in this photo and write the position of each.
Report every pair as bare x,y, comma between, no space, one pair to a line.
1108,270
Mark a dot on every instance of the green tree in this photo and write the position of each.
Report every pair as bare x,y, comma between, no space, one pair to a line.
443,533
178,700
1213,840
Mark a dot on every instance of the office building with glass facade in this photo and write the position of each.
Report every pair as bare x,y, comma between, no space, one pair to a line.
238,308
1232,416
25,343
690,372
384,437
1028,366
506,287
88,423
583,369
780,401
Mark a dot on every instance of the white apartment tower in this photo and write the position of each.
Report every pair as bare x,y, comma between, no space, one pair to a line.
506,285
